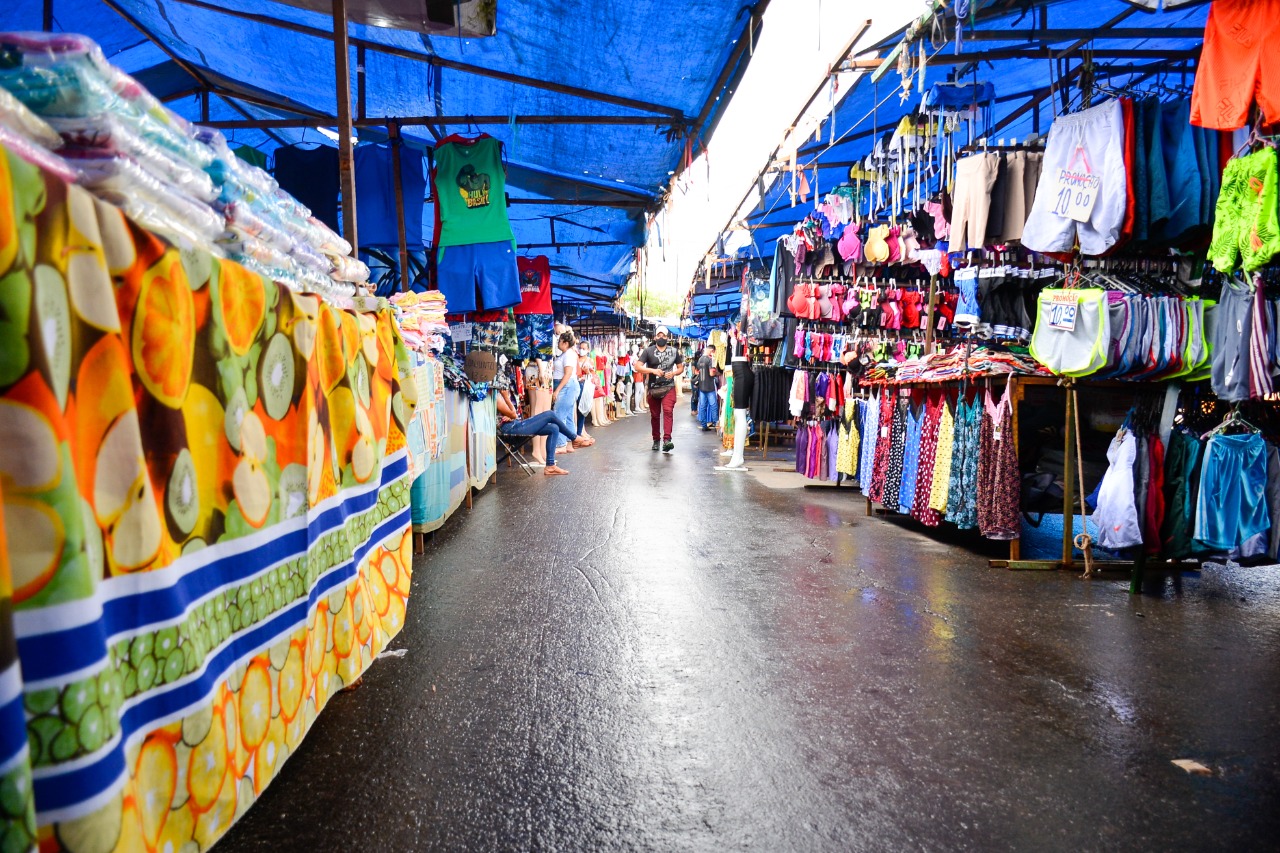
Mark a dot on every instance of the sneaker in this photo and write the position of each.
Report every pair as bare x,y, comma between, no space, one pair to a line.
657,445
668,447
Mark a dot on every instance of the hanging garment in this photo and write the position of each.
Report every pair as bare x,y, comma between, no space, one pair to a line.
1273,500
883,445
1233,342
311,176
1232,505
802,449
999,481
942,465
927,463
962,496
535,285
799,393
897,452
1154,508
470,188
376,196
1182,486
869,429
1238,62
1073,330
1116,514
848,453
833,450
1091,141
911,459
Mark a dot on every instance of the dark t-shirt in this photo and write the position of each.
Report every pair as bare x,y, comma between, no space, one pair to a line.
706,382
663,360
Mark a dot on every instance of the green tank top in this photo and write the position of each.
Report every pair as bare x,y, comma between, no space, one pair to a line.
471,191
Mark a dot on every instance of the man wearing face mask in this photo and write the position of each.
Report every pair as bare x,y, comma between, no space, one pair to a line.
660,363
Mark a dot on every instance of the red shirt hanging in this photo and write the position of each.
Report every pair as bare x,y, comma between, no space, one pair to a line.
535,285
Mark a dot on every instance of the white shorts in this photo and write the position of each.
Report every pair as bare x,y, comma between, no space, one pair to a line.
1099,132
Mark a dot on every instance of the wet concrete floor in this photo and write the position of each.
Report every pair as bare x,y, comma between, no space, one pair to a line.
650,655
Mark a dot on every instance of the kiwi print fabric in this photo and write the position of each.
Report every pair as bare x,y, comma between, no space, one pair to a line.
205,535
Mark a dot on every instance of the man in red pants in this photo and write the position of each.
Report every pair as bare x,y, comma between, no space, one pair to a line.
661,363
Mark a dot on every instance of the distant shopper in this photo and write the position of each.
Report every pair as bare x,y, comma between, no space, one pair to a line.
547,424
706,380
660,363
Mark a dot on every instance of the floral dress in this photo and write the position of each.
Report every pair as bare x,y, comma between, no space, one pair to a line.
999,481
962,499
928,461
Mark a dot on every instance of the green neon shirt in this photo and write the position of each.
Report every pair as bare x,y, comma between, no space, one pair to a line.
471,192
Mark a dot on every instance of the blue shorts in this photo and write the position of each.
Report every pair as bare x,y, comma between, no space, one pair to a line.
489,268
1232,505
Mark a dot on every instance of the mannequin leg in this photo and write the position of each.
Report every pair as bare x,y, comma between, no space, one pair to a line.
737,463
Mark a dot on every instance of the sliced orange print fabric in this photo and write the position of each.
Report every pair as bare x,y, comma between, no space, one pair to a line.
205,502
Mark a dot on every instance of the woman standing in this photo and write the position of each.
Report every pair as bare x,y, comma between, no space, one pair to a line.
565,387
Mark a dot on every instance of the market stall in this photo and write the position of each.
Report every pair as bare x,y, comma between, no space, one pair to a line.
205,479
981,235
206,508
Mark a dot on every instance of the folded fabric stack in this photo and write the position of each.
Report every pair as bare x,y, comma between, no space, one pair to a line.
30,137
422,320
124,145
952,365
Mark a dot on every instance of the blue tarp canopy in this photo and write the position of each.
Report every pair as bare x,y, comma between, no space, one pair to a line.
638,77
1132,46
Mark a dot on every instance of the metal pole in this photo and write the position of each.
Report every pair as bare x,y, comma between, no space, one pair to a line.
346,146
393,130
48,16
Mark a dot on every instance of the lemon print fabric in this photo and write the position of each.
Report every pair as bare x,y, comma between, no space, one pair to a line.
204,524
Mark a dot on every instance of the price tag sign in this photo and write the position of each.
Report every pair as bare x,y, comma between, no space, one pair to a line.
460,332
1076,190
1063,307
997,434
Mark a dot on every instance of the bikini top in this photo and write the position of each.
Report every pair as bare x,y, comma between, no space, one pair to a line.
851,304
798,301
824,302
877,248
850,245
837,306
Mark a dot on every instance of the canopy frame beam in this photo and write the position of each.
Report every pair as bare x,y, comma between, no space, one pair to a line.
450,64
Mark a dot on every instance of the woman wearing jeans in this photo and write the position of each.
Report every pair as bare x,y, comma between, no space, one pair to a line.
547,424
564,396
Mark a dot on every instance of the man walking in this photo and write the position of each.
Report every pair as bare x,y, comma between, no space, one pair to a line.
705,382
660,363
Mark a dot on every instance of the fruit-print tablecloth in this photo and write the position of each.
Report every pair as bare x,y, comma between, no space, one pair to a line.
206,516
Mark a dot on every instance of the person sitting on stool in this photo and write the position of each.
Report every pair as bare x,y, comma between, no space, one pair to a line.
548,424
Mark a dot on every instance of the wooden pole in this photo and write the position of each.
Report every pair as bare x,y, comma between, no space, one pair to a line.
1068,481
396,143
930,321
48,16
346,145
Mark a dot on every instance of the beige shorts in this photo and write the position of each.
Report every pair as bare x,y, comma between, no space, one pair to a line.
971,200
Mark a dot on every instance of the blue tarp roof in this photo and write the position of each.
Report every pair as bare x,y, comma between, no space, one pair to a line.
621,48
869,109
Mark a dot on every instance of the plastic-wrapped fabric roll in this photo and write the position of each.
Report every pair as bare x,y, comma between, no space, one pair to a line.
28,150
109,134
15,116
